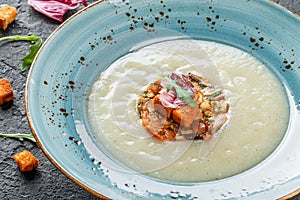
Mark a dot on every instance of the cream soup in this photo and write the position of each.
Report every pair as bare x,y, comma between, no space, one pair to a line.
258,115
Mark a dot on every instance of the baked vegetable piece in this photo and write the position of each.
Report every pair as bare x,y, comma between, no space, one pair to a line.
7,15
26,161
183,107
6,91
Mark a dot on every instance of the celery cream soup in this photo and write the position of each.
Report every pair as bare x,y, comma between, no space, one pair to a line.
258,115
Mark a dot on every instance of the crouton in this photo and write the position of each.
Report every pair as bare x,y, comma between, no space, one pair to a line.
7,15
6,91
185,115
26,161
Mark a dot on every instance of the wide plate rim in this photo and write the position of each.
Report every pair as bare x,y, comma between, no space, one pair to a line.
48,155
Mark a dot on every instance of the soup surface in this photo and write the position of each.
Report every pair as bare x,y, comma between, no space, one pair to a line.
258,115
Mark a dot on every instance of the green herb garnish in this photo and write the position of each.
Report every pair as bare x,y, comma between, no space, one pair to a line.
20,136
182,92
215,94
34,48
3,5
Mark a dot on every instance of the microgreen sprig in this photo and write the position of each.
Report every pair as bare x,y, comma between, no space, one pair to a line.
34,48
20,136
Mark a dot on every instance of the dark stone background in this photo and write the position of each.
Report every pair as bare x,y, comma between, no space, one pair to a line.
46,182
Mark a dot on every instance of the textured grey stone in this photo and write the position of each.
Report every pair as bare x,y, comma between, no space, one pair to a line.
47,182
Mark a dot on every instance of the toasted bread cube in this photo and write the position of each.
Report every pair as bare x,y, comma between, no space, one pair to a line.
7,15
6,91
160,108
185,115
26,161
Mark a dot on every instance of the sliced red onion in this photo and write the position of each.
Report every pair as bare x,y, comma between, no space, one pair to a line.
186,84
174,76
179,102
185,77
55,9
166,103
181,84
169,98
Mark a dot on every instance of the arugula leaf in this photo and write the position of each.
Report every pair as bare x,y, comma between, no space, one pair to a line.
20,136
181,92
190,101
34,48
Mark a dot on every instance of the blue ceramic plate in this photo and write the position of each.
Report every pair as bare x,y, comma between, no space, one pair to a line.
85,45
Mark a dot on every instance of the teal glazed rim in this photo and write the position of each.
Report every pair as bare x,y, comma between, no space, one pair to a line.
85,45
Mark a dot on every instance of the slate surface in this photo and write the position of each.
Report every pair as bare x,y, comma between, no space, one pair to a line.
47,182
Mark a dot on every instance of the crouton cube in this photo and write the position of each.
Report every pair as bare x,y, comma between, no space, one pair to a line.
7,15
26,161
185,115
6,91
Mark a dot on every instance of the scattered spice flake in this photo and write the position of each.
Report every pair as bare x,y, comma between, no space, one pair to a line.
55,9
